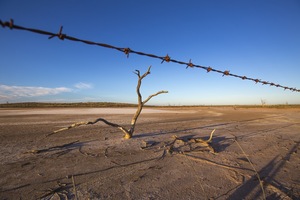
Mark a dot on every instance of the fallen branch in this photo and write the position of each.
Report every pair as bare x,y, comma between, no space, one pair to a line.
189,142
88,123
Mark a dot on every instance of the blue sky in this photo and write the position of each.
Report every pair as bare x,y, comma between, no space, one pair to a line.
258,39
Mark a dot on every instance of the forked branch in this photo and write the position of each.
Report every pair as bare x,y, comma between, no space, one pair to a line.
141,103
127,132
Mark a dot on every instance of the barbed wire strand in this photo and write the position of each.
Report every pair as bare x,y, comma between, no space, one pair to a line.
128,51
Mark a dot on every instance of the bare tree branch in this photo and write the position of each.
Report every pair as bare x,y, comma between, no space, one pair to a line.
141,103
140,82
127,132
153,95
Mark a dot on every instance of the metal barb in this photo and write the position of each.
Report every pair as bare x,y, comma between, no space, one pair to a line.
166,58
11,23
226,73
209,69
190,64
127,51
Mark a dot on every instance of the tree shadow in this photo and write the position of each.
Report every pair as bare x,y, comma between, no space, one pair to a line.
60,150
258,132
267,175
141,135
221,143
116,165
15,188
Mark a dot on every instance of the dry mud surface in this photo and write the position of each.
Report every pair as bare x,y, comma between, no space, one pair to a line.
95,162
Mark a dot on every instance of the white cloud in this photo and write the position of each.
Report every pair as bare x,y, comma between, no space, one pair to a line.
10,92
81,85
4,97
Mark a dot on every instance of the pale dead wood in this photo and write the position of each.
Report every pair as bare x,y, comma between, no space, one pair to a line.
188,142
127,132
91,122
141,103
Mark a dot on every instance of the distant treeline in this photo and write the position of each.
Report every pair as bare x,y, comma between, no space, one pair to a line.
120,105
64,105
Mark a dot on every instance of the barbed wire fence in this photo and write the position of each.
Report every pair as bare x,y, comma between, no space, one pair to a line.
10,24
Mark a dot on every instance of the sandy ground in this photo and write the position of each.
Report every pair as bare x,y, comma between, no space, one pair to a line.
94,162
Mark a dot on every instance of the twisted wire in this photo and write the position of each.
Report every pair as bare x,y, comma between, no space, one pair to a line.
10,24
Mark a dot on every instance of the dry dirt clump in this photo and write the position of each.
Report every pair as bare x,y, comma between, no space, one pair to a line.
252,154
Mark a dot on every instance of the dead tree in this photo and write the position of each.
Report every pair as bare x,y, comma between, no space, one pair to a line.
127,132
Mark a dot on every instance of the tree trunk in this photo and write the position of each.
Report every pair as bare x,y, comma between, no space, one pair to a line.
128,133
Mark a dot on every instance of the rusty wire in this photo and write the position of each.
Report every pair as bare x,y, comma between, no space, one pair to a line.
128,51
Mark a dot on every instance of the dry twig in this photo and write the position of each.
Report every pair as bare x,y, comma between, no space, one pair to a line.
74,188
258,177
